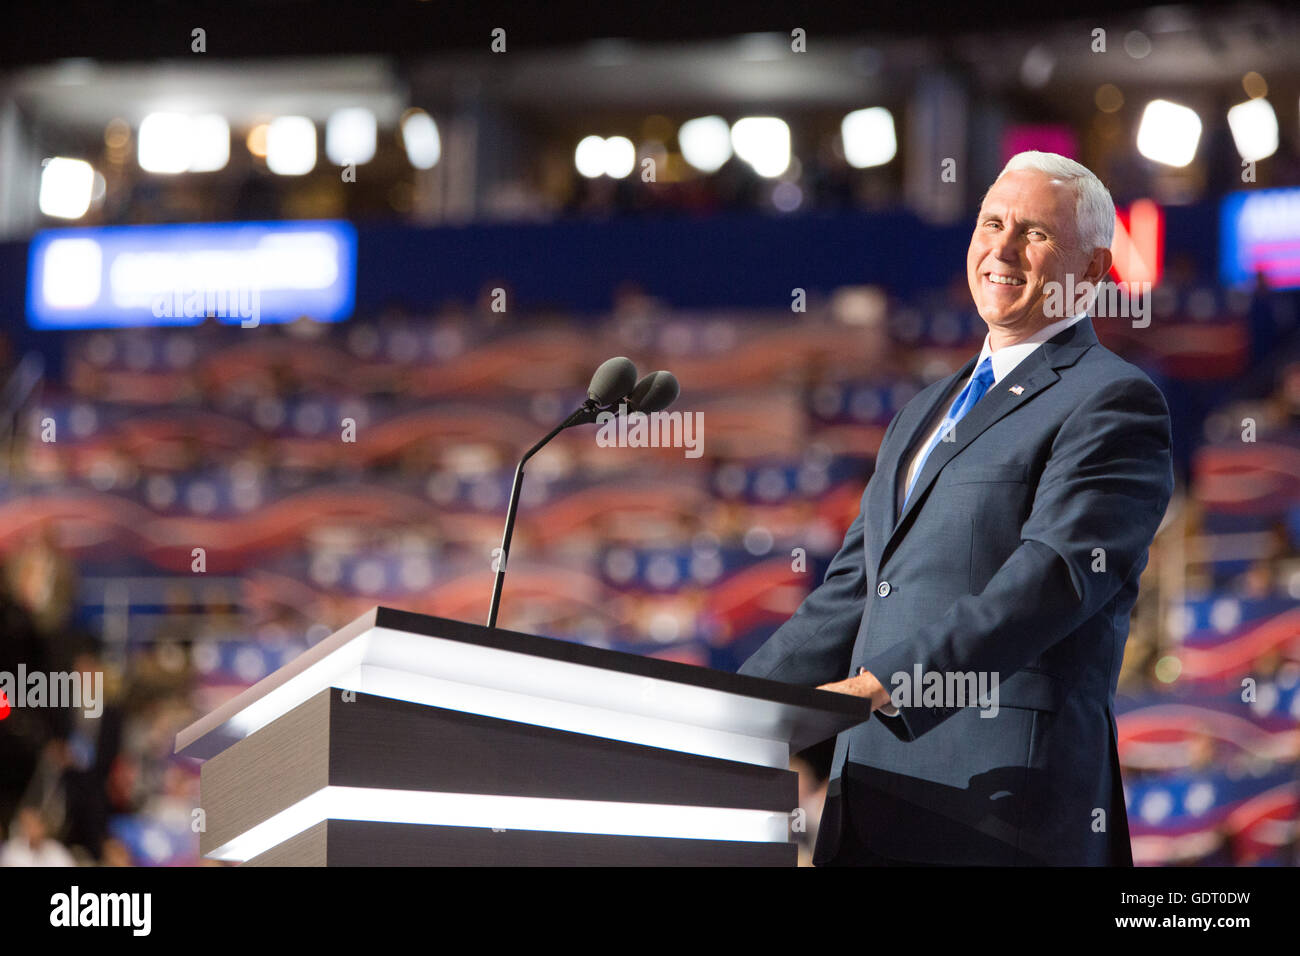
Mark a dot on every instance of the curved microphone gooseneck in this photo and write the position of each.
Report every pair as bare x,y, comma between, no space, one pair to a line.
615,381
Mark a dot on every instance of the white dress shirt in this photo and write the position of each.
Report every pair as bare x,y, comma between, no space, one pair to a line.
1004,360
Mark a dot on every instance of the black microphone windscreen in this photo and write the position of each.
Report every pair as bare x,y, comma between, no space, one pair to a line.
613,380
654,393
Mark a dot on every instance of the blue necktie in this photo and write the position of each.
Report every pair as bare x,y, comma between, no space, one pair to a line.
980,383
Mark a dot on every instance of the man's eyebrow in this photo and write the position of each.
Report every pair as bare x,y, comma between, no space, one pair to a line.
1030,223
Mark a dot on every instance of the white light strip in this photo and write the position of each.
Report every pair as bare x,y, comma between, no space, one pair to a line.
278,692
506,813
573,717
338,670
568,696
509,686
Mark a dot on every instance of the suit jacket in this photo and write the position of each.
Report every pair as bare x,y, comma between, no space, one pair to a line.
1017,554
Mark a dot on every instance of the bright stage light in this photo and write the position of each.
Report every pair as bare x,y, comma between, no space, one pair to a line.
291,145
764,143
350,136
1168,133
614,157
210,143
1254,129
589,157
620,157
165,143
66,187
256,141
869,138
421,139
705,142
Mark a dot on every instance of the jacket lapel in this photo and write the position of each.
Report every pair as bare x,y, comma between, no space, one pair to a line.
919,429
1035,374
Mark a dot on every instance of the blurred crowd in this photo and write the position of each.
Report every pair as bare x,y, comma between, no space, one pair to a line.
201,517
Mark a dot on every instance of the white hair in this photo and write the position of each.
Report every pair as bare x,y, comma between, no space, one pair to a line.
1094,210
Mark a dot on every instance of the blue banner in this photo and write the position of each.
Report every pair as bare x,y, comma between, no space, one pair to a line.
240,273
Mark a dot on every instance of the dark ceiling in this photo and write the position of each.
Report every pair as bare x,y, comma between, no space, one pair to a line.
36,33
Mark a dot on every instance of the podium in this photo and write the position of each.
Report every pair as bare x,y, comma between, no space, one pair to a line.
409,740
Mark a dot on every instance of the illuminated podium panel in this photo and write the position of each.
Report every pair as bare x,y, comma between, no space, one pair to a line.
404,739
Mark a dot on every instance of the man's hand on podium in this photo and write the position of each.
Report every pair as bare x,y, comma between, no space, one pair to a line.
865,685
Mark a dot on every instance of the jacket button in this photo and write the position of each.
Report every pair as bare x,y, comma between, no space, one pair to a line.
883,589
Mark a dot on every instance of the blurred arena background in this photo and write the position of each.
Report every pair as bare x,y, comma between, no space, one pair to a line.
483,233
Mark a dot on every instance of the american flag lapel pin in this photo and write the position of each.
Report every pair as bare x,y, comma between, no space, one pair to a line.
1016,389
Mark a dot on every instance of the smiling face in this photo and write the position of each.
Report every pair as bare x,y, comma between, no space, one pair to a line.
1026,238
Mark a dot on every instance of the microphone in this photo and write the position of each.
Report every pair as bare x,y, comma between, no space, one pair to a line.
654,393
614,379
610,384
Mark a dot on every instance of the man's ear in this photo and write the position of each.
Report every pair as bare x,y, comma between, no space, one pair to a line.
1098,265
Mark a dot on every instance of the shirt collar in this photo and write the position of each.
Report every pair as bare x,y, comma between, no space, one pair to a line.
1009,356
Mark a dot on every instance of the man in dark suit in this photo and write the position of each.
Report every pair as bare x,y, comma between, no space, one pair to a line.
998,547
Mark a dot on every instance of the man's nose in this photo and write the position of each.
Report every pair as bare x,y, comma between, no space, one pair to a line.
1006,246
